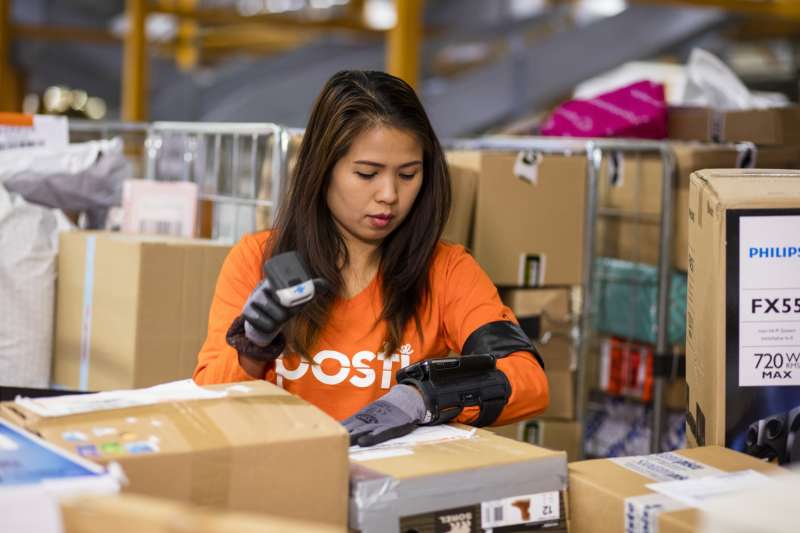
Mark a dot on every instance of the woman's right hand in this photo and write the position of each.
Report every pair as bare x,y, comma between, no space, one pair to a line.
264,316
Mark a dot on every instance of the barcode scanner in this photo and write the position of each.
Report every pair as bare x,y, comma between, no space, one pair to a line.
290,281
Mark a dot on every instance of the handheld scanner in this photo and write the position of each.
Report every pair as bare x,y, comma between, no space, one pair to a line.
289,279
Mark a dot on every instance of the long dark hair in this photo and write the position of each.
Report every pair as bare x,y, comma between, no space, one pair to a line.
351,102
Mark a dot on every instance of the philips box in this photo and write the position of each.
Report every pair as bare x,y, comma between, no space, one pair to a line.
743,312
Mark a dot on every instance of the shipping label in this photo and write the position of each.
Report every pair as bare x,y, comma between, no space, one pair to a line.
524,509
642,512
769,300
666,466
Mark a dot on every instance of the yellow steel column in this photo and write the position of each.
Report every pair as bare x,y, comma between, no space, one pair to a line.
403,41
8,81
135,68
187,53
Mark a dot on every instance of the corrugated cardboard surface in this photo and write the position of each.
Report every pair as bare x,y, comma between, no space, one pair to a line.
761,126
515,217
450,474
464,186
712,192
549,309
598,489
638,189
149,308
136,514
261,450
562,394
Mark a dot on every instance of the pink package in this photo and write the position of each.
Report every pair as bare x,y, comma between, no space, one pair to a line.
634,111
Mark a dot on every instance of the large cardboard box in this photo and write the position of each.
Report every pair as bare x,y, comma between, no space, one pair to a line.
471,483
249,447
131,513
611,495
464,187
546,317
743,315
633,185
777,125
131,311
529,218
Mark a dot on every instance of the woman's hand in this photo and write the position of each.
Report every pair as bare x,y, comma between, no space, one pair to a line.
263,314
395,414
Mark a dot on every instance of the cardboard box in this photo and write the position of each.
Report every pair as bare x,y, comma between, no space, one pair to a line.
777,125
464,187
743,315
636,187
546,317
557,435
249,447
610,495
562,394
130,513
464,484
131,311
529,218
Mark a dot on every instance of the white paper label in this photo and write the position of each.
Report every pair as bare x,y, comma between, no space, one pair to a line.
120,399
769,300
697,492
36,131
666,466
421,435
641,512
524,509
380,453
526,167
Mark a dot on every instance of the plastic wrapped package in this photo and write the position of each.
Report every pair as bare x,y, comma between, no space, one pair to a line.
28,254
79,177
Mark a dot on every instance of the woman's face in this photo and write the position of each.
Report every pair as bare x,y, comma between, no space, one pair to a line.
375,183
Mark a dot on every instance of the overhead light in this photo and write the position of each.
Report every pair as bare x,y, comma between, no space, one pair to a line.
380,14
95,108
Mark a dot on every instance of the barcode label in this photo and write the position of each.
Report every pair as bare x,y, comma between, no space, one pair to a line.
161,227
523,509
498,514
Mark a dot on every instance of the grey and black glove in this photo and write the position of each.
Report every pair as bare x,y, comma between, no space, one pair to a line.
264,316
394,415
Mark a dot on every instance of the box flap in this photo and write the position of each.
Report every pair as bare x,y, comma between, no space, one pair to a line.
752,187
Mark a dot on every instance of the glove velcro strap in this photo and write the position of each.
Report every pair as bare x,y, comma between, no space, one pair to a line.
236,338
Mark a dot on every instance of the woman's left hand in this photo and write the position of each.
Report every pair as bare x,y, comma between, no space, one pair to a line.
395,414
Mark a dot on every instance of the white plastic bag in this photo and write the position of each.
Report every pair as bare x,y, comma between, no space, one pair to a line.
78,177
710,83
28,254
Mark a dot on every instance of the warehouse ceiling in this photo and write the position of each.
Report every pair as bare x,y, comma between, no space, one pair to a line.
484,63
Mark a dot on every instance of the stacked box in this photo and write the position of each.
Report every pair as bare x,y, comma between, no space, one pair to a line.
613,495
476,481
133,513
743,316
131,310
248,446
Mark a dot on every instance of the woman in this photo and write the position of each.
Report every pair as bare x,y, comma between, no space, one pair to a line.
365,209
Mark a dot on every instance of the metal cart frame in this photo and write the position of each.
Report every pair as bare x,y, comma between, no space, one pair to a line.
594,149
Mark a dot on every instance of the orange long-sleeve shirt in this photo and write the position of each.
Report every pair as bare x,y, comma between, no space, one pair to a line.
348,370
